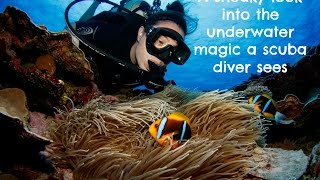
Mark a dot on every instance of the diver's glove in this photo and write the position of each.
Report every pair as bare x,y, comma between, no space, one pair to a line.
154,79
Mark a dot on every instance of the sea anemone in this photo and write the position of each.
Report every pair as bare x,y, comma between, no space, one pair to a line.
111,141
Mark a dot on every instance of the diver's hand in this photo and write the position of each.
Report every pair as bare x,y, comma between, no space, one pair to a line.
154,79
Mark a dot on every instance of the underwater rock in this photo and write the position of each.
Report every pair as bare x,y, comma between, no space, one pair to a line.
40,62
20,144
279,164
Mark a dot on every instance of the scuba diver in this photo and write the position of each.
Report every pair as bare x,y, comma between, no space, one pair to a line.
140,43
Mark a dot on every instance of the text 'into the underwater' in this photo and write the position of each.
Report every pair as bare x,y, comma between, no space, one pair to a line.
237,34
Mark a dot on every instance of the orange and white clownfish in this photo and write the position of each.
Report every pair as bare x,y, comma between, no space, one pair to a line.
265,105
175,127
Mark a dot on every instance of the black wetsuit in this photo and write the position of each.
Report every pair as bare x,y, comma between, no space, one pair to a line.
114,33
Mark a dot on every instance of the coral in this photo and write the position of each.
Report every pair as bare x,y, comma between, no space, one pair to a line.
291,106
103,140
13,104
19,142
254,90
46,63
279,164
39,123
80,94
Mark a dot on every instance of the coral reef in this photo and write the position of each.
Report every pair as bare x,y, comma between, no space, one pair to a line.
45,65
111,141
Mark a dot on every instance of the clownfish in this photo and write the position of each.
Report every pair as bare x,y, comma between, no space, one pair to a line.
175,127
265,105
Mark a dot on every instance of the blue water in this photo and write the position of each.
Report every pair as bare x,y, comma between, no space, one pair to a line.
198,72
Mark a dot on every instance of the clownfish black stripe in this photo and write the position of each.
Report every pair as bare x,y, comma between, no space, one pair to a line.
266,106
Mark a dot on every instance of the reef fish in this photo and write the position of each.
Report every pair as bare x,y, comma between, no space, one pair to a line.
175,127
265,105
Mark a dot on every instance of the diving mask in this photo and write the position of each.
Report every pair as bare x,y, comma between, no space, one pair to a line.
167,53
